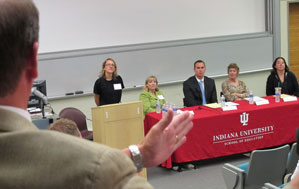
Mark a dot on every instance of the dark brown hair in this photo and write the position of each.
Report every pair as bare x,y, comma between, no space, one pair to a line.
19,29
274,63
199,61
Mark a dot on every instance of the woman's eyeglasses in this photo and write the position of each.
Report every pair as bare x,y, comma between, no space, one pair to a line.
113,65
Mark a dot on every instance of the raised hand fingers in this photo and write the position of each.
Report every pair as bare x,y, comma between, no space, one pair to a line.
180,142
162,124
182,124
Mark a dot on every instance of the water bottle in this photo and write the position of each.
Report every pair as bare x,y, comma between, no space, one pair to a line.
168,106
251,98
277,97
174,108
164,112
222,101
277,94
158,107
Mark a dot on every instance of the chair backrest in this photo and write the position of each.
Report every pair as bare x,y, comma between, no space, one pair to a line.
232,178
292,159
75,115
266,166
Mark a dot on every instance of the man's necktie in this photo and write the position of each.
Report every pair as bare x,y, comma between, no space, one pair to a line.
202,93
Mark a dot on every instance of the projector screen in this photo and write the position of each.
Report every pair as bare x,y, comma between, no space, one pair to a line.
75,24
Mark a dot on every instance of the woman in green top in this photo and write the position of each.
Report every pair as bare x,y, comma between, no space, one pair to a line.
151,94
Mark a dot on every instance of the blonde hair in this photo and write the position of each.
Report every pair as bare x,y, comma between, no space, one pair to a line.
234,66
148,79
65,126
102,73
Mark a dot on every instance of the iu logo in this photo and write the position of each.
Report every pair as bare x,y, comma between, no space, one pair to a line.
244,118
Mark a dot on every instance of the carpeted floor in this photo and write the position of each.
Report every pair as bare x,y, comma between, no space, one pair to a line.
207,175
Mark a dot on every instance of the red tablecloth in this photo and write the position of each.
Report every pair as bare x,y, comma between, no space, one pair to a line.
219,133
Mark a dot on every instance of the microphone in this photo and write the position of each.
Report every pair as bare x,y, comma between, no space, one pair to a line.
39,94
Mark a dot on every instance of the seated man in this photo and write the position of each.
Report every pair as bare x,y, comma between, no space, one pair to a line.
199,89
31,158
66,126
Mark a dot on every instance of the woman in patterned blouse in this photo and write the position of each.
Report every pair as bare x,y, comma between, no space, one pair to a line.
232,88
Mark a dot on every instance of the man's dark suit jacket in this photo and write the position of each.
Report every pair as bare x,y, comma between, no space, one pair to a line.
192,91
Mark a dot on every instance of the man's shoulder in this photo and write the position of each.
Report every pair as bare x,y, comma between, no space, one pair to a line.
189,80
58,145
84,162
208,78
101,161
12,121
56,141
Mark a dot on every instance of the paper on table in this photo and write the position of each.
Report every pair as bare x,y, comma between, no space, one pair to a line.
180,112
289,98
285,96
231,104
262,102
213,105
228,108
256,98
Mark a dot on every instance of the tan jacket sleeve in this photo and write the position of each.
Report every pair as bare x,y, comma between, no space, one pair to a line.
117,170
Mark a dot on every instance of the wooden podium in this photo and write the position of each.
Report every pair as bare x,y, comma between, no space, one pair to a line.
118,125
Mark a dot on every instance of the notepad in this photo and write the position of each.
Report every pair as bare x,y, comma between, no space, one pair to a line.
213,105
284,96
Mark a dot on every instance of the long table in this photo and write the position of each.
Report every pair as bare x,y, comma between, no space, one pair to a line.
218,133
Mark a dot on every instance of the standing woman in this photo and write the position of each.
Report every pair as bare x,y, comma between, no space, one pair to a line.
151,94
108,88
232,88
282,77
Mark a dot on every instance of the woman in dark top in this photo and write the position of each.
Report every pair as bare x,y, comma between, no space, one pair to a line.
108,88
282,77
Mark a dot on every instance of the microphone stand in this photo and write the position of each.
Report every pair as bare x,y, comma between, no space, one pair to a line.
43,108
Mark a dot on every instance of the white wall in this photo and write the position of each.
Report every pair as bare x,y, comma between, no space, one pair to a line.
74,24
173,93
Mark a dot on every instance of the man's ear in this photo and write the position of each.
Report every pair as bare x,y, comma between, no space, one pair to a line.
32,70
